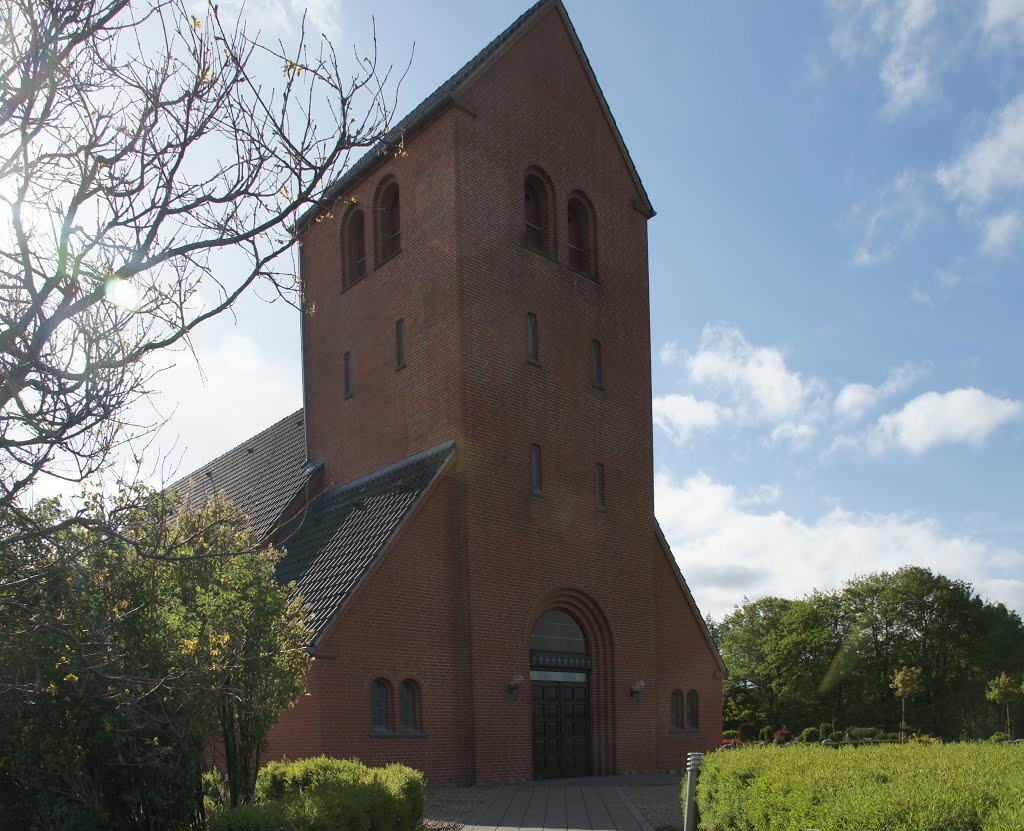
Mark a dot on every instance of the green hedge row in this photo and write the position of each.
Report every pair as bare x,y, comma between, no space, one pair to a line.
953,787
323,794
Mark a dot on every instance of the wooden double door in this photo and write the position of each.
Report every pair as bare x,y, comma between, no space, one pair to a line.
561,729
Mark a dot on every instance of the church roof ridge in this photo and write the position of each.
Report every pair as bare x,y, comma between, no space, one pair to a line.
445,94
418,116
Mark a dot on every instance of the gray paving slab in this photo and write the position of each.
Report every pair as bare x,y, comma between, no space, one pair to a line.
564,805
555,819
493,811
576,818
600,819
623,818
536,810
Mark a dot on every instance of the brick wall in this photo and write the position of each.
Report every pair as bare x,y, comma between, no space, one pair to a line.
454,600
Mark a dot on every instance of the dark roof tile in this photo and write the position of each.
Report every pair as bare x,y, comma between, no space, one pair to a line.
262,476
345,530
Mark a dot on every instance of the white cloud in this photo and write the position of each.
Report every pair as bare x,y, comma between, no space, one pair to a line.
682,415
276,17
857,400
961,416
670,353
1002,233
727,551
891,219
1003,19
742,384
897,33
756,378
993,165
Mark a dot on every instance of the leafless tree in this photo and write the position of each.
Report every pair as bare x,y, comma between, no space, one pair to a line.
138,143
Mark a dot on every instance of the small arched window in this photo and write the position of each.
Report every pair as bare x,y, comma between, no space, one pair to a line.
581,235
355,250
677,710
537,233
692,711
389,223
409,707
380,705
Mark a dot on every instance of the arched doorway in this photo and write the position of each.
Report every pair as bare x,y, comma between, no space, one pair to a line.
560,666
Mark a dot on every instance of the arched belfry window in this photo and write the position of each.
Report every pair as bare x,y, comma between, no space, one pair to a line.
581,235
354,239
389,222
537,232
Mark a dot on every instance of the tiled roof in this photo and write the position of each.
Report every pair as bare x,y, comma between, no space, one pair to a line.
346,529
423,112
262,476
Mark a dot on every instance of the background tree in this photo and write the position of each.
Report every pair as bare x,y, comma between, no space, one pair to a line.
1005,690
119,666
831,656
746,639
906,683
137,144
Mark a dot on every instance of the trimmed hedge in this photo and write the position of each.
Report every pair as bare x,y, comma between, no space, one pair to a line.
954,787
324,794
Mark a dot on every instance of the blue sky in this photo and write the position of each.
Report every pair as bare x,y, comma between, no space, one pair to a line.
836,277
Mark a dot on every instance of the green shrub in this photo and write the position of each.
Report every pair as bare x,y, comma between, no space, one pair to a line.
273,816
836,736
324,794
767,732
892,787
811,734
729,734
278,779
859,734
998,736
216,794
826,729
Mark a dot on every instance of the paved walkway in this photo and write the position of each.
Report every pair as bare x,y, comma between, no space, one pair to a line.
591,804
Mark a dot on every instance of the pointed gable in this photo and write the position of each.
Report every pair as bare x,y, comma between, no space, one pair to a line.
450,93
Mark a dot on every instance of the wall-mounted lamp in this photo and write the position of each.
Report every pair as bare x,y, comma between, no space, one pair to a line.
635,690
514,683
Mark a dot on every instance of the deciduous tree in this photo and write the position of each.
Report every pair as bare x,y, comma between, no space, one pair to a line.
133,652
1005,690
138,142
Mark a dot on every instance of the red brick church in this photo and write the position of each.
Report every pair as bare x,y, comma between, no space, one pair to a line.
466,498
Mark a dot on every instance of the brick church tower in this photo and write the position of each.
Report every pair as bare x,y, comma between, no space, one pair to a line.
491,594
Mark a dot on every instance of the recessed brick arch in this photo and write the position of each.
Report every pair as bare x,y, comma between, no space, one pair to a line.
600,646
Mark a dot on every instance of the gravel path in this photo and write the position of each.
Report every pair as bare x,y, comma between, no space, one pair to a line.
659,804
449,807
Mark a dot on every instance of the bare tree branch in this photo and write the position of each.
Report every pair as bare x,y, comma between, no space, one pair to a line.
137,141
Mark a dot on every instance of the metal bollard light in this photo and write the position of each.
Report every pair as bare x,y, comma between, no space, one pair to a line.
694,762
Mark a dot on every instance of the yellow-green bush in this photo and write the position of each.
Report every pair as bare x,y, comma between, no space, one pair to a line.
324,794
955,787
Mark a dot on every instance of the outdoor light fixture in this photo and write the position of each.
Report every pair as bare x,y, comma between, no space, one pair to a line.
514,683
636,689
